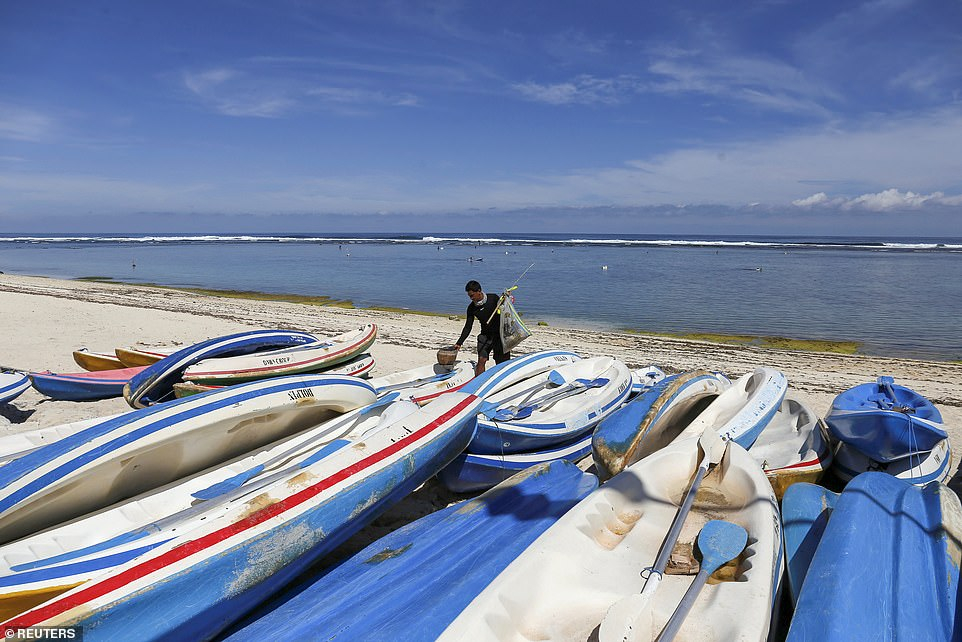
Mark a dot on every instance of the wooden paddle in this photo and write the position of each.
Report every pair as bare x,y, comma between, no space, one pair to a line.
632,615
719,543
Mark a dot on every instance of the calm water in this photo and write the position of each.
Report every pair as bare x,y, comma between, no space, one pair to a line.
902,298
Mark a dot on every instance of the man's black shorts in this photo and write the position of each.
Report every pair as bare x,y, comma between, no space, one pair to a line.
487,345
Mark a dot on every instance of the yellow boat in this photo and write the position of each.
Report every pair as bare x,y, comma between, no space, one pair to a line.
96,361
133,357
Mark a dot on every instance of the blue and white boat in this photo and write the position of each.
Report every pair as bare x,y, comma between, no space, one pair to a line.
806,509
83,386
742,412
156,383
212,572
653,419
551,408
885,421
138,451
470,473
887,566
918,468
12,385
410,584
644,378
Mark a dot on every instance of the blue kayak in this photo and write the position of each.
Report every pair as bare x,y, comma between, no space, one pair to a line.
83,386
156,383
885,421
470,473
887,566
412,583
805,512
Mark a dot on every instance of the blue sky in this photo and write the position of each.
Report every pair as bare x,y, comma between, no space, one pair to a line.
675,117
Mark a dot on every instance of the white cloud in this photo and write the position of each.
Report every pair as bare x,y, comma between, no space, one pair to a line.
17,123
583,89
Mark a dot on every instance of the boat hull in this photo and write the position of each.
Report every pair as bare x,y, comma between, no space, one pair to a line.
890,554
413,582
918,469
93,361
12,385
83,386
155,384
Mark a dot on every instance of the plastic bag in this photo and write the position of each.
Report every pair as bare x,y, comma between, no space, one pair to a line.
513,330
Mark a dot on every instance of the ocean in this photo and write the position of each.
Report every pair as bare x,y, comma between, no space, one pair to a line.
896,297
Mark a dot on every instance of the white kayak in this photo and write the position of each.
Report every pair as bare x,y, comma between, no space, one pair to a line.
563,586
42,565
12,385
424,383
539,411
741,413
918,468
137,451
794,446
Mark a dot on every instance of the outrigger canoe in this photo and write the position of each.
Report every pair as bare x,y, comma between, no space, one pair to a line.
413,582
551,408
212,572
794,446
139,451
653,419
93,361
359,366
886,566
564,584
12,385
155,384
311,357
83,386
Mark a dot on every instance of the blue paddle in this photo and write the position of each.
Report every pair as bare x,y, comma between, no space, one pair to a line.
489,408
575,387
719,543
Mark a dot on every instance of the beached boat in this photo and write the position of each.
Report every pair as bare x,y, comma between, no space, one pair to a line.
885,421
156,383
741,413
44,565
359,366
491,384
566,582
83,386
806,509
198,583
887,566
94,361
12,385
17,444
132,357
431,380
138,451
310,357
794,446
919,468
644,378
413,582
539,412
470,473
653,419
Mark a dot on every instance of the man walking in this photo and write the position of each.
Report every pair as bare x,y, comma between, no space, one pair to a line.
483,307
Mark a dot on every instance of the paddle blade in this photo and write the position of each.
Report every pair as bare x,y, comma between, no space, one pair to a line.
713,447
226,486
719,543
556,378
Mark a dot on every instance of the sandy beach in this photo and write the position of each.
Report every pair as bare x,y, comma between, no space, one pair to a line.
44,320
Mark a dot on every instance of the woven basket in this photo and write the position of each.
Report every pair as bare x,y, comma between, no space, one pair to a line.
447,356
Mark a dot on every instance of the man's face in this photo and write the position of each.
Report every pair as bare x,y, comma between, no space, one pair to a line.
476,296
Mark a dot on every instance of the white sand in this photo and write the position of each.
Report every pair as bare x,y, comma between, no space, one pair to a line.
45,320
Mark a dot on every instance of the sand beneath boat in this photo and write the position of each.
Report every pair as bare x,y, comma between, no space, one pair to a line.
44,320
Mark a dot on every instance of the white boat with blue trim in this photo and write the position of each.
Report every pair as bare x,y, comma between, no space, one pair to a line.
138,451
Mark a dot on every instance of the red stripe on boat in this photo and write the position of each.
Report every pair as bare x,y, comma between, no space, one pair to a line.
192,547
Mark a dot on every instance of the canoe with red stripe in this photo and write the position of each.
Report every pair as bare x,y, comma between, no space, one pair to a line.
83,386
195,585
311,357
139,451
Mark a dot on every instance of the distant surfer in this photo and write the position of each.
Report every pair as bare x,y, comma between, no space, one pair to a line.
484,308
